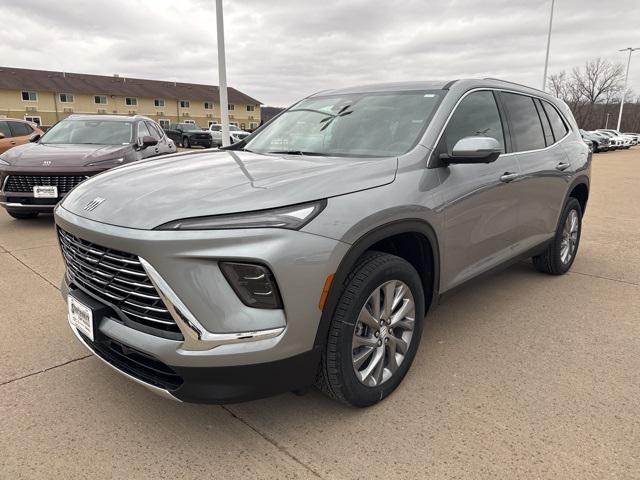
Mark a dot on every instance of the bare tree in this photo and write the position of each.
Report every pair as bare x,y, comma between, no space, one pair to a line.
599,79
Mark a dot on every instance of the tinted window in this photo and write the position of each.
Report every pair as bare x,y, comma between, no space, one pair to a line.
4,129
154,130
89,132
558,126
526,128
548,134
143,131
476,116
20,129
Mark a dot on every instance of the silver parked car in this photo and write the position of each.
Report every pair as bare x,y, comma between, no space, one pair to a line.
312,250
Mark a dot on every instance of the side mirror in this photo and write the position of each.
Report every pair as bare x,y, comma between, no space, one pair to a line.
35,137
148,141
474,150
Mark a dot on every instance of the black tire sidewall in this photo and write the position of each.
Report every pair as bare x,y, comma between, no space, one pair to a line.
347,311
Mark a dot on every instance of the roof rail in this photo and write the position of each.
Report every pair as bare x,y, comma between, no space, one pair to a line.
514,83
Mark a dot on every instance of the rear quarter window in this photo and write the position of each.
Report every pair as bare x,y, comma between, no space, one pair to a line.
557,124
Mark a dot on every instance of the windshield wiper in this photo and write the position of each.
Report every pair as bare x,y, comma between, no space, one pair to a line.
297,152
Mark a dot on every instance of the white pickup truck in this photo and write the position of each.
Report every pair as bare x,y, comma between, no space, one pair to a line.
236,134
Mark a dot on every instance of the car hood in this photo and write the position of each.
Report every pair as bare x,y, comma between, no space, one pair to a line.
34,154
147,194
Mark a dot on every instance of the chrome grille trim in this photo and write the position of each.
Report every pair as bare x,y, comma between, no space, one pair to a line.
118,278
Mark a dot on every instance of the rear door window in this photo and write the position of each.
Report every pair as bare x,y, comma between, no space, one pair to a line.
476,116
19,129
526,128
4,129
557,124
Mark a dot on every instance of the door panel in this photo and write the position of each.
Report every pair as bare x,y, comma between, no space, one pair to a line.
544,166
481,218
480,203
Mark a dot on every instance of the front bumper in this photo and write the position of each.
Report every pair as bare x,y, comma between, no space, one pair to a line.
235,352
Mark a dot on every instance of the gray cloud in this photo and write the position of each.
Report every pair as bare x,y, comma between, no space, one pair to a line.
279,51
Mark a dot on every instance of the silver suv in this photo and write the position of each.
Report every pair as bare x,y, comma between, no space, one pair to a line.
312,250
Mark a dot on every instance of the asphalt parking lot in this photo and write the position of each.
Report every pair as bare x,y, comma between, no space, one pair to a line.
520,375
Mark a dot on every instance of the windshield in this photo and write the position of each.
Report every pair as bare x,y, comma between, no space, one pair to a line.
90,132
233,128
189,127
350,125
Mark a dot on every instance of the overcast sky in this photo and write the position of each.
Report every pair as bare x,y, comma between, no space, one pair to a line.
281,50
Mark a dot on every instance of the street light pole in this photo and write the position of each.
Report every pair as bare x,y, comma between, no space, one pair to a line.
222,74
626,76
606,124
546,60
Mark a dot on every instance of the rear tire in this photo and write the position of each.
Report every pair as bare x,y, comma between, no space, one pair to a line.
371,343
561,252
22,215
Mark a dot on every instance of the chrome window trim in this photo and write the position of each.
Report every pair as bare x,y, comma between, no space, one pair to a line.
4,183
498,89
196,337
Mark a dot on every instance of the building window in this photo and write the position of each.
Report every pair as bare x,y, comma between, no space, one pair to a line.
164,123
213,123
231,106
191,122
100,99
184,103
253,126
251,108
208,105
30,96
131,101
32,119
66,98
158,102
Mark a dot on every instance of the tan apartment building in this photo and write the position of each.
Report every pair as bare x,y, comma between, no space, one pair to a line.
45,97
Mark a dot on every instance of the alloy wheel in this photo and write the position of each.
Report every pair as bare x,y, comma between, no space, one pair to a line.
569,241
383,333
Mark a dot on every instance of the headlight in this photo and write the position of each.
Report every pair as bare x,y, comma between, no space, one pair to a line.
4,162
292,217
112,162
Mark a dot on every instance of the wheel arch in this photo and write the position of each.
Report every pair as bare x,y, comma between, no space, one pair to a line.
383,238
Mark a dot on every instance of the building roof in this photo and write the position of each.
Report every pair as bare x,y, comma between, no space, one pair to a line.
80,83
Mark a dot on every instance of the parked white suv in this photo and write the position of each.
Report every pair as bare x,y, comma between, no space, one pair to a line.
236,134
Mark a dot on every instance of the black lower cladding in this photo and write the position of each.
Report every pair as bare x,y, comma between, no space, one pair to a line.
218,385
133,362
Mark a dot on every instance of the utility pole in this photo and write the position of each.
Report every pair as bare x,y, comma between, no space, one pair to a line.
606,124
626,76
222,73
546,60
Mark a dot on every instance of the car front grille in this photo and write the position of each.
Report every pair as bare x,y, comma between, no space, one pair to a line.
133,362
25,183
202,136
117,279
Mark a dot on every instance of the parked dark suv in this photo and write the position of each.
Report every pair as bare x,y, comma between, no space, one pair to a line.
35,176
189,135
312,250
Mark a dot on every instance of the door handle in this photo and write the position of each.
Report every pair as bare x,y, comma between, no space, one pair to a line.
12,142
508,177
562,166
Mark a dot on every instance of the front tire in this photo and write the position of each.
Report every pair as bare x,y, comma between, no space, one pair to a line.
561,252
22,215
375,332
185,143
